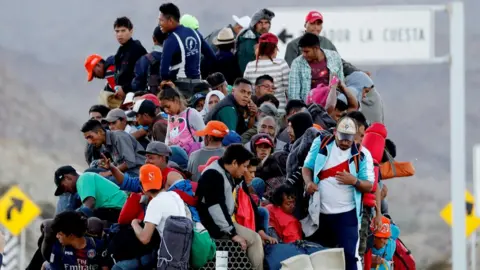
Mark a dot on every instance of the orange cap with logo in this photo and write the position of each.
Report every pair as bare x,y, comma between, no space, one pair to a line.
213,128
150,177
384,231
90,63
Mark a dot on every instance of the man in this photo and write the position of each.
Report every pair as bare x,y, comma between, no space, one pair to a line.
248,38
314,25
218,82
117,120
126,57
157,154
154,126
147,68
216,202
266,109
267,125
214,132
72,249
99,68
121,146
338,173
182,51
293,106
314,67
100,197
163,204
98,112
240,23
231,110
263,86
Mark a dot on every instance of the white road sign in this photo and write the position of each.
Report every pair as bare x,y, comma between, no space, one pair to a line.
365,35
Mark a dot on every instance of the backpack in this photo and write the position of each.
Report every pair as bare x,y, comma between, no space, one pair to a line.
123,244
153,74
204,248
176,245
403,258
194,146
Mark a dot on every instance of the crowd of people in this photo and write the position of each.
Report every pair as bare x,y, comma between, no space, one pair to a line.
216,138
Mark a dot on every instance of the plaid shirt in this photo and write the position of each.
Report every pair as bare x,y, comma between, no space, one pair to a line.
300,78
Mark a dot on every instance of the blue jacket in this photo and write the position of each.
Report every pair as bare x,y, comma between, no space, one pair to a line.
139,83
186,186
131,184
182,52
317,158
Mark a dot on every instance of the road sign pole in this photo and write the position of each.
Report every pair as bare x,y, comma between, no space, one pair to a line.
473,251
23,247
476,177
457,133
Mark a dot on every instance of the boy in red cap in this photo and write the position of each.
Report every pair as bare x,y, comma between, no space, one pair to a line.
99,68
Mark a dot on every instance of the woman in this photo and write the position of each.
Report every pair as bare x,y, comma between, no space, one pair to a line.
182,121
267,63
212,99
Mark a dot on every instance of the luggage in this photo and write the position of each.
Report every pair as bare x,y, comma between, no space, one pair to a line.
203,248
403,258
275,254
176,244
123,244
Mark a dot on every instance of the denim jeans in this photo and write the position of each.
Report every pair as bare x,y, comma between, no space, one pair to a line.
146,260
265,216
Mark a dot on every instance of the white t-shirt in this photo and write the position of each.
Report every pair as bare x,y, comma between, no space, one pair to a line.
336,197
165,204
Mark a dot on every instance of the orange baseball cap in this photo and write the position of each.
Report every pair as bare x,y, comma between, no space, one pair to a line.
201,168
384,231
213,128
90,63
150,177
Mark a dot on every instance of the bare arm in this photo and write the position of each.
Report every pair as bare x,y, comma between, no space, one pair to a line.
144,235
331,102
123,167
89,202
351,99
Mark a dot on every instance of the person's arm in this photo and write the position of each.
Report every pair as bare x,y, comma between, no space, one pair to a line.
86,189
331,102
245,52
140,133
351,99
159,131
215,201
207,51
228,116
195,120
170,46
125,149
309,163
291,52
144,235
294,81
139,82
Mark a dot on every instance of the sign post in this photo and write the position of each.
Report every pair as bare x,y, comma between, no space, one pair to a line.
11,252
361,39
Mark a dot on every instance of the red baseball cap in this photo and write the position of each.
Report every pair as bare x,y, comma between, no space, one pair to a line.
152,98
313,16
264,140
268,38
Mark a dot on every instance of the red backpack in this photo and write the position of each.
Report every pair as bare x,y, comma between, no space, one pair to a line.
403,258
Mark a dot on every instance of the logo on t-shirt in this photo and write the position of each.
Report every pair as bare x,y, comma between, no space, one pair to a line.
91,253
191,46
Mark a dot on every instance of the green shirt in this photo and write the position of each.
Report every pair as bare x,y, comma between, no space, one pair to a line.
105,192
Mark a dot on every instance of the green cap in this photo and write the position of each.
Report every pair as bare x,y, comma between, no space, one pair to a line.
189,21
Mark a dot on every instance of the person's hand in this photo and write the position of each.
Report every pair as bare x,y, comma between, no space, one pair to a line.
378,222
311,188
269,240
104,162
119,93
252,109
384,191
243,243
376,261
135,222
346,178
2,242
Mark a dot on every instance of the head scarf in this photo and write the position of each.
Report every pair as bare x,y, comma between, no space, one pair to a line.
217,93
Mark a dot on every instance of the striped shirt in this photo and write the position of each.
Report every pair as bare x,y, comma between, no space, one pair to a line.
278,70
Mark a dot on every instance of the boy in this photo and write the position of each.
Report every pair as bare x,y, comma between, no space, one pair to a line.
383,244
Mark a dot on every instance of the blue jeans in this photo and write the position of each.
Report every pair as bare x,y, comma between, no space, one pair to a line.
265,216
259,186
146,260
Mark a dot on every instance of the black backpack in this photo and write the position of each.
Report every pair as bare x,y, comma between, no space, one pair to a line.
153,74
123,244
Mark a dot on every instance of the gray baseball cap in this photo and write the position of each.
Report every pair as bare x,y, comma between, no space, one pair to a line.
114,115
157,148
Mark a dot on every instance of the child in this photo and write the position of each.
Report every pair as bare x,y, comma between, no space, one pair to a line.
383,244
286,226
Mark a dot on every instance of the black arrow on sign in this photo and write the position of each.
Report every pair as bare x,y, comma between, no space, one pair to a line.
16,204
469,208
284,35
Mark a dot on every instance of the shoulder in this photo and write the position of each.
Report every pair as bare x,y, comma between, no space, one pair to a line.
210,175
293,44
331,53
88,176
297,61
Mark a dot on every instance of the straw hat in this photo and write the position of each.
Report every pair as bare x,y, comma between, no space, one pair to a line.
225,36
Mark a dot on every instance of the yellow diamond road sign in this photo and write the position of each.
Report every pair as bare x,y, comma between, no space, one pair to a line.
17,210
472,222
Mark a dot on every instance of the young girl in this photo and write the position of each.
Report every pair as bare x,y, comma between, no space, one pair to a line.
182,121
267,63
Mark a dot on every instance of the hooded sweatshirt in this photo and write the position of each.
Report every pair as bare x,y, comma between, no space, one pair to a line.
372,105
300,123
217,93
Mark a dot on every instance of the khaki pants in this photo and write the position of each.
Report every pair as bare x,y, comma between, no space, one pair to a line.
254,246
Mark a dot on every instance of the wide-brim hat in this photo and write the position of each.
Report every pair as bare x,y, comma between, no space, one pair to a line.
225,36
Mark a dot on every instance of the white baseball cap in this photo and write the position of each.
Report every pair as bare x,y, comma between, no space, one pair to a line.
346,129
243,21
